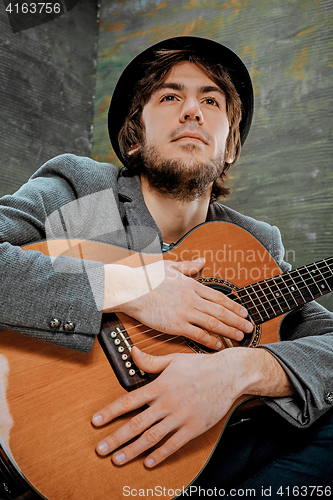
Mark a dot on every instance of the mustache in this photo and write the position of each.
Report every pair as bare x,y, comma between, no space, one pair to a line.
190,127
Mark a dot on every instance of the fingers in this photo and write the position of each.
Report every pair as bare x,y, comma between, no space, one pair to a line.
151,435
218,322
173,444
151,438
189,267
149,363
192,267
133,428
138,398
126,403
222,314
199,335
151,425
220,298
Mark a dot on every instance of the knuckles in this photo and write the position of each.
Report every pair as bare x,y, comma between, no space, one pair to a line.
136,423
222,312
172,445
126,401
113,441
152,436
212,323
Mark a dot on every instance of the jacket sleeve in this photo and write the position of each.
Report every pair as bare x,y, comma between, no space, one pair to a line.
306,353
35,292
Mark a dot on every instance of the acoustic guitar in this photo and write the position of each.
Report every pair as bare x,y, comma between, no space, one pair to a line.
48,394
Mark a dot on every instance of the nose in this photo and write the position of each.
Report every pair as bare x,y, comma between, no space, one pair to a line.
191,111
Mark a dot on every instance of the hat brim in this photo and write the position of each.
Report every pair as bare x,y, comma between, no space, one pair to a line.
217,53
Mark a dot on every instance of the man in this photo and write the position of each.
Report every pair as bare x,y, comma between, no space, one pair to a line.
177,131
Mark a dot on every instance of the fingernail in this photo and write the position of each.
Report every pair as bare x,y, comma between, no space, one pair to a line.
97,419
150,462
239,335
103,446
244,312
249,327
119,457
218,345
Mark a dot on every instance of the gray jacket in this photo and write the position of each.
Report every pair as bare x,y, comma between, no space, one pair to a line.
35,290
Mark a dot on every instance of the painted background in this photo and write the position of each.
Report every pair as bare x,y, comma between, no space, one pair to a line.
284,175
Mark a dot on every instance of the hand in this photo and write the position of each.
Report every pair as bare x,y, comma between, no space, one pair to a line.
180,305
193,392
186,399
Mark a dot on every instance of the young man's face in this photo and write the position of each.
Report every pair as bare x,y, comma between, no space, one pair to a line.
186,118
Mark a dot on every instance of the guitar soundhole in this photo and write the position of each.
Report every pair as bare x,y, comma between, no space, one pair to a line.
229,289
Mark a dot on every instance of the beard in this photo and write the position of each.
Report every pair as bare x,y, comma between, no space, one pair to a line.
183,180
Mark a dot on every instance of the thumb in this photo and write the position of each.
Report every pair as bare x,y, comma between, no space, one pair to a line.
189,267
150,363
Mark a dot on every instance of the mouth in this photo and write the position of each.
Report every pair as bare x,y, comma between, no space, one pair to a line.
188,136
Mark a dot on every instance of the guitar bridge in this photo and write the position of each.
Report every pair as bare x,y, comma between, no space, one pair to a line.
117,346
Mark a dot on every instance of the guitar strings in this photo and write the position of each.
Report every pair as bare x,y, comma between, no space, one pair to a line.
284,286
181,341
294,277
159,334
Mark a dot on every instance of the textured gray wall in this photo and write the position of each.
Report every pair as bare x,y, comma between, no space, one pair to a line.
47,79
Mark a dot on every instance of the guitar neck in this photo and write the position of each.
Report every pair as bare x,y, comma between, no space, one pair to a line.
276,296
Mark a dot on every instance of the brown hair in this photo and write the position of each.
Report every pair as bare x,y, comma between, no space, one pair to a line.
132,132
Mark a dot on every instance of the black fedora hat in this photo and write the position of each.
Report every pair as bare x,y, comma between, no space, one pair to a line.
210,50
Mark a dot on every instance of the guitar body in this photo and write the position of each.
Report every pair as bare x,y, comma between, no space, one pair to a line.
49,394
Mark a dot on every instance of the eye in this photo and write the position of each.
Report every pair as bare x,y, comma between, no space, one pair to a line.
168,98
211,101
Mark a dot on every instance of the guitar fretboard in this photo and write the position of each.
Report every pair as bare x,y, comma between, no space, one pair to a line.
275,296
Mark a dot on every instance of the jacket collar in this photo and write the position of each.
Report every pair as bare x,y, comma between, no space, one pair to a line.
139,221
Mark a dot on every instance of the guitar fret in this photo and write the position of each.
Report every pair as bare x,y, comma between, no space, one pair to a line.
324,289
255,313
330,272
330,283
280,294
255,301
285,292
257,294
268,306
300,299
265,285
303,286
312,279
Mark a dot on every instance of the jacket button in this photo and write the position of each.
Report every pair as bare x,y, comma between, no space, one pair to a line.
55,323
69,326
329,398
